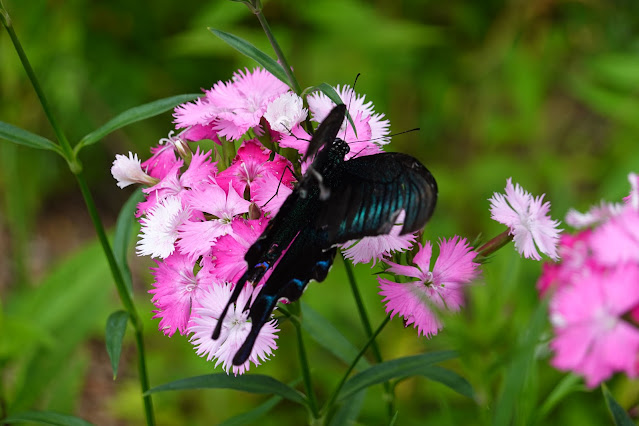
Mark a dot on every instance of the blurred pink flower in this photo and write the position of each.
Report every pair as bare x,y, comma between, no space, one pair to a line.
617,240
528,220
234,329
442,288
590,336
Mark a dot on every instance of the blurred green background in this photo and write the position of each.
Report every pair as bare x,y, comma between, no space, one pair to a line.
545,91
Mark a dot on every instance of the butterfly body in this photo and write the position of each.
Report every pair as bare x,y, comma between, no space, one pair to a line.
335,201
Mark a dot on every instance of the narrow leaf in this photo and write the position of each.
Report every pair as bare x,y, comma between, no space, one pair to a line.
123,232
246,48
328,90
47,418
392,369
115,328
569,384
325,334
349,410
448,378
253,383
619,415
133,115
23,137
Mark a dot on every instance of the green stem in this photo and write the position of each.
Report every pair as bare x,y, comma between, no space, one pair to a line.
124,294
76,169
306,372
389,392
371,341
493,245
256,8
74,165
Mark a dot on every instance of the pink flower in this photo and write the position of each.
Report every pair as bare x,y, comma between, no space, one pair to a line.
197,237
633,198
591,338
617,240
528,221
160,228
235,329
229,250
176,292
378,247
442,288
594,216
127,171
232,108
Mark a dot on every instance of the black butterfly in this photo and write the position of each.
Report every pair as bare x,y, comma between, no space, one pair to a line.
334,202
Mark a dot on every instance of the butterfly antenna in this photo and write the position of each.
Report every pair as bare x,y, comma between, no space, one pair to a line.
382,138
348,106
279,183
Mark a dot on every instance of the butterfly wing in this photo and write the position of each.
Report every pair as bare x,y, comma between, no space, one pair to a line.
369,193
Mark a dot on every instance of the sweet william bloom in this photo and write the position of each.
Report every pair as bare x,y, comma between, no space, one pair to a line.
378,247
176,292
617,240
235,329
285,112
528,220
160,228
127,171
594,216
591,338
441,288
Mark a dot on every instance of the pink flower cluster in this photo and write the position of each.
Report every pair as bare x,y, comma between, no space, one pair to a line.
594,291
203,210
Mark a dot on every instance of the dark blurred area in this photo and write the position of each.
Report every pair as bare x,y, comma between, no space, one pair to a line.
543,91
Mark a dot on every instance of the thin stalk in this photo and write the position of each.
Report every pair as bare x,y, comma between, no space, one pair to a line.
62,139
257,10
76,169
494,244
351,367
125,297
306,372
389,393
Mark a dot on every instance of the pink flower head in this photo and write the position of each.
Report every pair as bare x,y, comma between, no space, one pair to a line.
232,108
617,240
440,288
235,329
591,338
160,228
576,262
594,216
176,292
633,198
127,171
528,220
378,247
163,158
229,250
197,237
253,162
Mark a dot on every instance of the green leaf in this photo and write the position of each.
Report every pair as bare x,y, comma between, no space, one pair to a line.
448,378
253,383
387,370
47,418
246,48
569,384
123,232
115,328
519,369
324,333
328,90
619,415
23,137
133,115
349,410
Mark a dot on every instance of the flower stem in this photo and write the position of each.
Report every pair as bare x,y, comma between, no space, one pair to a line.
74,165
76,169
371,341
256,8
389,393
493,245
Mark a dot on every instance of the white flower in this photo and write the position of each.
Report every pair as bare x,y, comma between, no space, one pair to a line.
127,170
159,228
285,112
235,329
